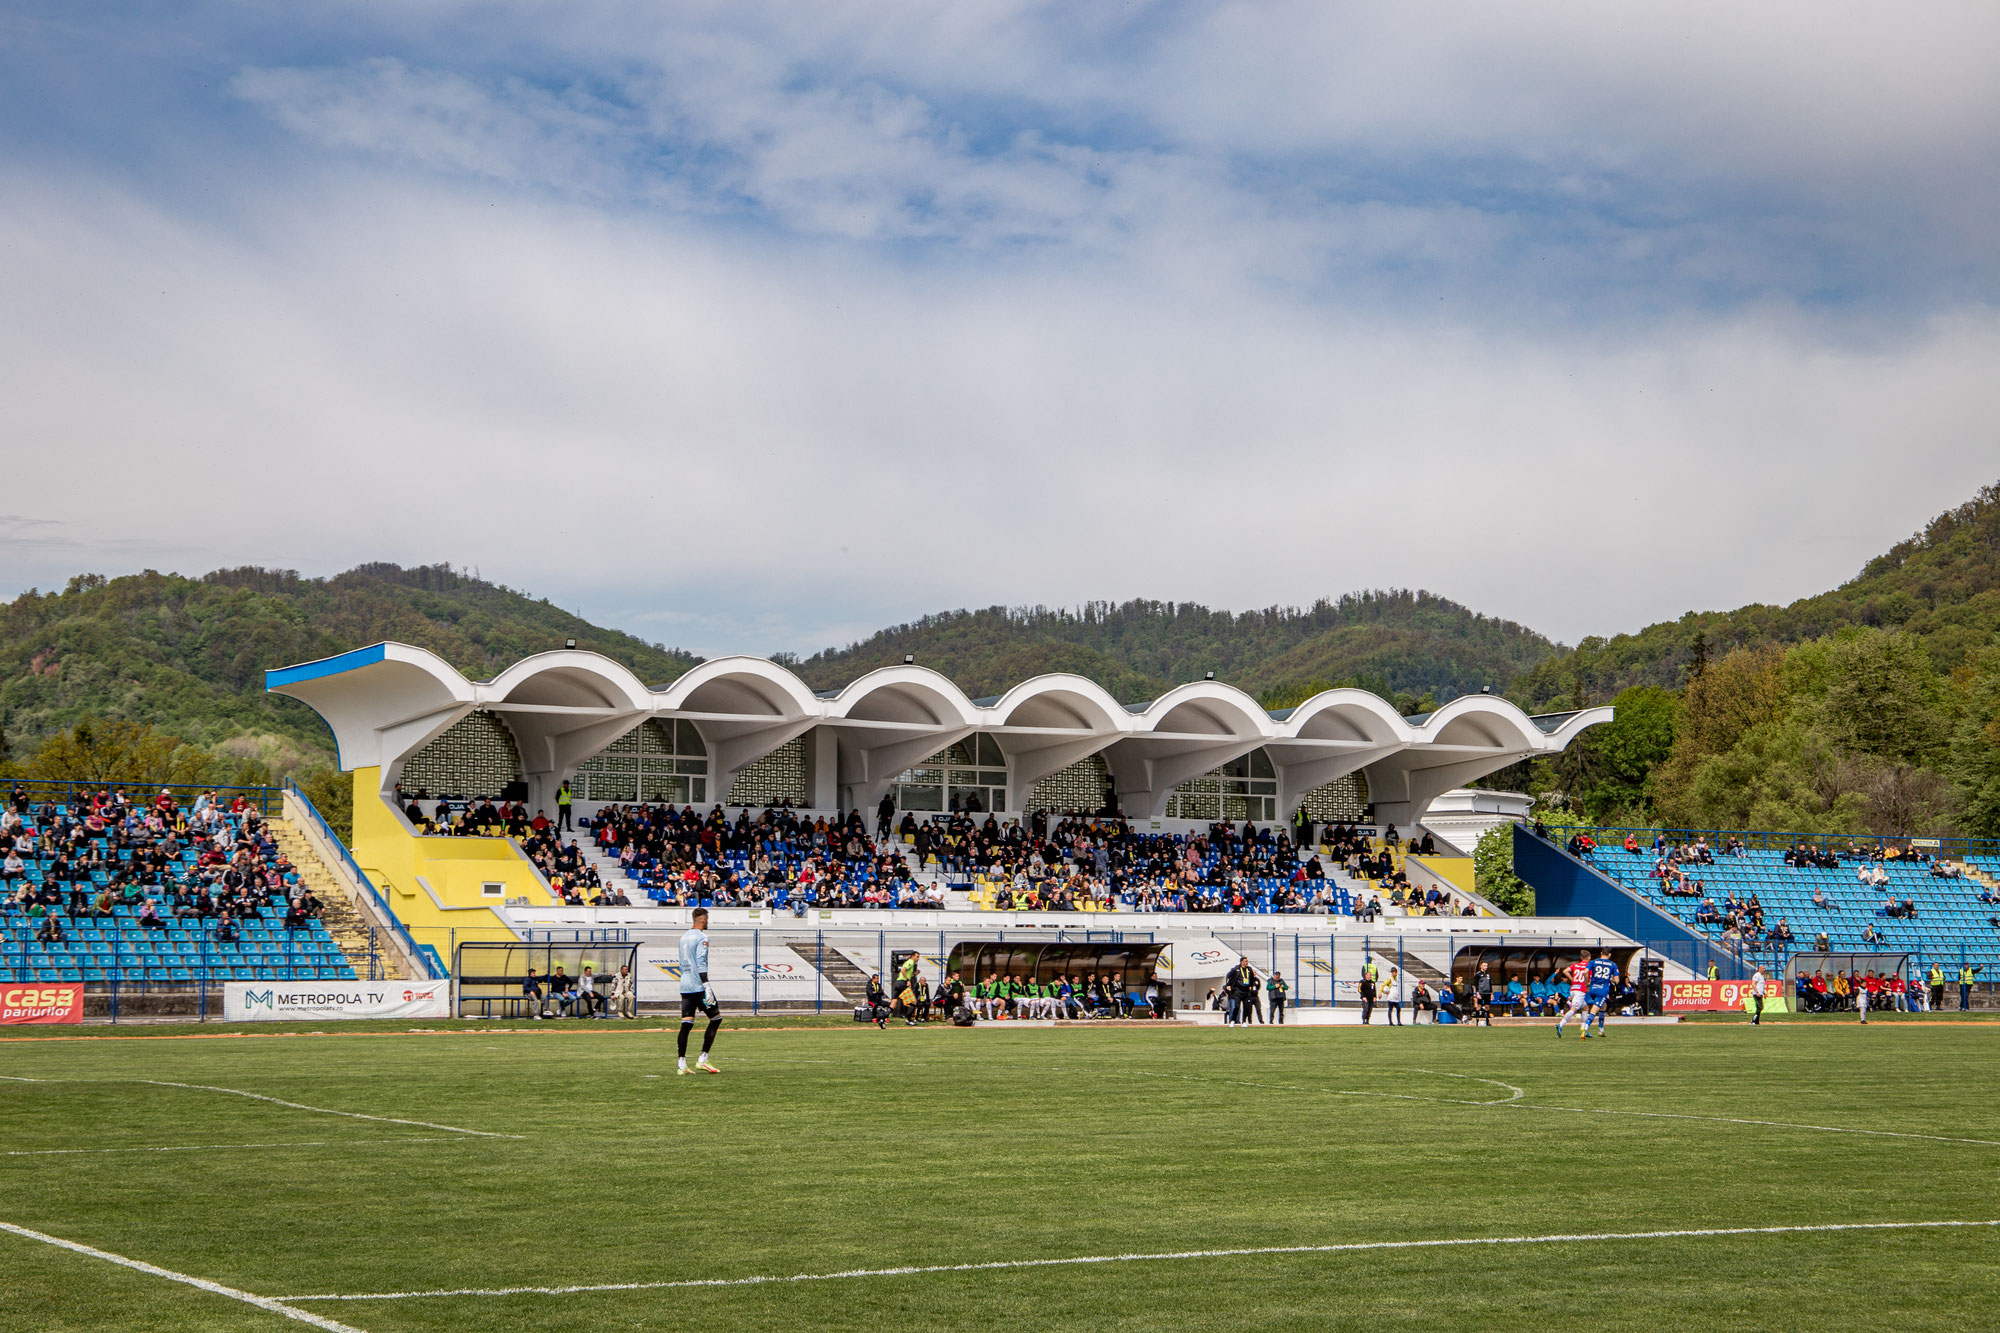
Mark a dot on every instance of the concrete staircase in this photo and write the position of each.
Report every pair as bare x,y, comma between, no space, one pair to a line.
343,919
839,971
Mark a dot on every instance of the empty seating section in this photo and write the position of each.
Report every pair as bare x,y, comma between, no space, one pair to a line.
1951,921
77,881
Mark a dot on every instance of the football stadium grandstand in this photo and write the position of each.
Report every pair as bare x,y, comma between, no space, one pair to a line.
839,835
565,799
103,890
1770,896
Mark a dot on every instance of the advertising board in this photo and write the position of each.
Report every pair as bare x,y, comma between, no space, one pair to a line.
258,1001
47,1002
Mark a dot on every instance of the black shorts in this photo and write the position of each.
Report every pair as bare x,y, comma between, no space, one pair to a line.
692,1001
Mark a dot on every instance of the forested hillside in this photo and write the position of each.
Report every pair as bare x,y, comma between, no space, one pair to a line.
1942,587
1874,707
1398,643
188,655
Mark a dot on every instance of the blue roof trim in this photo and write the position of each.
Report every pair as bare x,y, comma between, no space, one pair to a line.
326,666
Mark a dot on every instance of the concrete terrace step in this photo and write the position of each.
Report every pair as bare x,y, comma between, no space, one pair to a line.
351,930
839,971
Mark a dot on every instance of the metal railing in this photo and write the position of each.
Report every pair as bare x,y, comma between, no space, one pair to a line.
1765,840
381,904
266,801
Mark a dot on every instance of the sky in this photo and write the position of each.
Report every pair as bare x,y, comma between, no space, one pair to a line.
754,327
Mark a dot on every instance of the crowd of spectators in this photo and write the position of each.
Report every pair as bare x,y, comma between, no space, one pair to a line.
1836,991
1044,862
1741,920
207,865
780,856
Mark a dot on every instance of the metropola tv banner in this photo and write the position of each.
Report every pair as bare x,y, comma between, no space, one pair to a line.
59,1002
253,1001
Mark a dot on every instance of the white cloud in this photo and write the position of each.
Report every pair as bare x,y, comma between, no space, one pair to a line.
786,447
756,326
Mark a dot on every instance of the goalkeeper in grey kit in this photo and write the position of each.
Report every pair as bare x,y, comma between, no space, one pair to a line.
696,993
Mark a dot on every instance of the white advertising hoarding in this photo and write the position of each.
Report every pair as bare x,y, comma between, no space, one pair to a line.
737,975
251,1001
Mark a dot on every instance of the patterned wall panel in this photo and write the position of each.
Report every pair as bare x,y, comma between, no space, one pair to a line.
476,756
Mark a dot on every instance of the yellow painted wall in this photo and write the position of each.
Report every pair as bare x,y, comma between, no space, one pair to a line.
1457,869
455,869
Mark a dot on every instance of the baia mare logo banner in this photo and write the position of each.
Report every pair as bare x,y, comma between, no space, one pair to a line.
244,1002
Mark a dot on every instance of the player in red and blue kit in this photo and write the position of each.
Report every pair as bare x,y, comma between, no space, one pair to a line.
1603,972
1579,988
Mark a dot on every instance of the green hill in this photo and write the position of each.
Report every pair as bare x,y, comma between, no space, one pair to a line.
1941,586
188,654
1399,643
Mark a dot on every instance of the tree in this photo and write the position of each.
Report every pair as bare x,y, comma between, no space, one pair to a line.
115,752
1493,872
332,794
1880,696
1738,693
1975,758
1603,772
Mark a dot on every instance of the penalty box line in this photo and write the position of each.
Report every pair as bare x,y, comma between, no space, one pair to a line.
1463,1242
271,1304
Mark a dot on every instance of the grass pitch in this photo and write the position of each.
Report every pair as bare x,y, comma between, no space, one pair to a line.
824,1150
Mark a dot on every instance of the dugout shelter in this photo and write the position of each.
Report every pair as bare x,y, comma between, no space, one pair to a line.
491,974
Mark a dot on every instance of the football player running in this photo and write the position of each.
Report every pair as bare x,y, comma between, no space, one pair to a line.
1579,988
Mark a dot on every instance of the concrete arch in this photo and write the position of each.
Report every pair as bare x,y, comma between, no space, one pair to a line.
569,678
1329,736
1060,719
382,703
1061,700
1182,734
907,696
563,707
752,686
1347,715
744,707
1210,708
1482,720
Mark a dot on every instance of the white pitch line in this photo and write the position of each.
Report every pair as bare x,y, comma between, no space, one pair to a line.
1734,1120
219,1147
276,1307
321,1110
1347,1248
277,1101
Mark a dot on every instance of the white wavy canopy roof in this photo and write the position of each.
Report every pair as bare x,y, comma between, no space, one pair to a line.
387,701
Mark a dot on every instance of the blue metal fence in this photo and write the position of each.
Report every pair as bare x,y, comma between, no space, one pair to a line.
266,800
426,959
